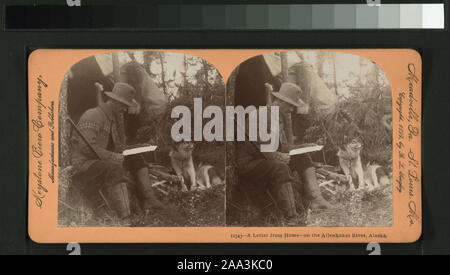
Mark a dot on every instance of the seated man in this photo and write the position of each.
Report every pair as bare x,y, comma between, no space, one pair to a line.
275,167
100,167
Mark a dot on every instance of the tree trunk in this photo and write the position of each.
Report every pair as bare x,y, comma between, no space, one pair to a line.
163,73
116,67
334,74
185,67
147,62
131,55
65,128
284,66
205,71
320,62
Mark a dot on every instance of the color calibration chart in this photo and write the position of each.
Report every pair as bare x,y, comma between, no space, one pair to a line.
228,17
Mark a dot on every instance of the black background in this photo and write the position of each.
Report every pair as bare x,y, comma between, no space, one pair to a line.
15,47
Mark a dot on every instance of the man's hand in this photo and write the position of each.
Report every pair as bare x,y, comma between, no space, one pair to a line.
303,109
136,109
283,157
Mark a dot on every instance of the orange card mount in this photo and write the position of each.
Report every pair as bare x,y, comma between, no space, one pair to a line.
360,109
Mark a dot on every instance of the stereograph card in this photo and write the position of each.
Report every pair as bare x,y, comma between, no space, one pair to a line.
225,146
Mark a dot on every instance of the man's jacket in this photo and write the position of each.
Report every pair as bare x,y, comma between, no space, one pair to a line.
248,154
102,129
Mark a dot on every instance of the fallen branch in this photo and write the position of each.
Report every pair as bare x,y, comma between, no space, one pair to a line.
157,167
325,183
164,176
74,209
68,206
320,176
159,183
335,176
329,190
162,191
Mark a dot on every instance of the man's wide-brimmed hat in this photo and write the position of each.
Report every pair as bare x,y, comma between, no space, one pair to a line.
122,92
290,93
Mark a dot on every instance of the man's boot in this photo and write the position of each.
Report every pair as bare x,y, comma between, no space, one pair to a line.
284,198
147,191
118,199
301,218
150,201
312,190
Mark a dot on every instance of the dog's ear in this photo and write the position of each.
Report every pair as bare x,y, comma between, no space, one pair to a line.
174,145
359,135
345,140
359,139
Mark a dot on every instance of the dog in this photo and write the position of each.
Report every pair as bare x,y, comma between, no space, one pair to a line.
350,161
183,164
208,175
375,176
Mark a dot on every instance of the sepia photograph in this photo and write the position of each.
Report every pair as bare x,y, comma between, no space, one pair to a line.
333,165
135,149
227,146
119,164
